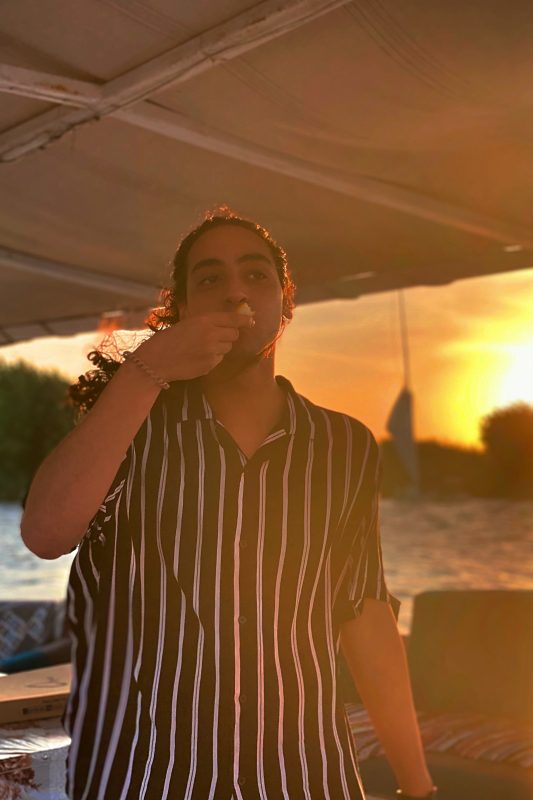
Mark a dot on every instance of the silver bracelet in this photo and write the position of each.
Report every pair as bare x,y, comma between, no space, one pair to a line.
136,360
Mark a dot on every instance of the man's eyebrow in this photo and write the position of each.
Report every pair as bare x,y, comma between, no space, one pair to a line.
217,262
207,262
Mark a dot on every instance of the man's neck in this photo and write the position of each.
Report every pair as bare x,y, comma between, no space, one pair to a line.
251,391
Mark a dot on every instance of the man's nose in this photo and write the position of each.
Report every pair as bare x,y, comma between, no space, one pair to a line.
236,291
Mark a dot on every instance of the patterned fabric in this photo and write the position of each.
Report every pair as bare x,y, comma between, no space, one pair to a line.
16,775
466,735
24,625
205,605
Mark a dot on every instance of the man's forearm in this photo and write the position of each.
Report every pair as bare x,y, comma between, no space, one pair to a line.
375,654
71,482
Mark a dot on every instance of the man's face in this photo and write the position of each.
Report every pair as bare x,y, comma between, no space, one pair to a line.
229,264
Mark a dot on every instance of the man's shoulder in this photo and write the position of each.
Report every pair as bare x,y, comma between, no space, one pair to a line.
341,420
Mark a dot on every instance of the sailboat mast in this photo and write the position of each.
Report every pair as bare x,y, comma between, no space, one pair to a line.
400,421
405,341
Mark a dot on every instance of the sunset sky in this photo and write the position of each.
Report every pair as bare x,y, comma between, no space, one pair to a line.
471,346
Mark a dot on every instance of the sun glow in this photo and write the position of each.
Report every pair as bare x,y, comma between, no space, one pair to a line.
516,383
487,374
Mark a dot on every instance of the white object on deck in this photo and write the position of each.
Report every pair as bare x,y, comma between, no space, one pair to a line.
40,749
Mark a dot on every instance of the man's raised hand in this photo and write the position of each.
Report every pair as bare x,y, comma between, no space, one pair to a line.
193,346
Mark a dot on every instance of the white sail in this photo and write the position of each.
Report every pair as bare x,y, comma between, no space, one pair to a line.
400,426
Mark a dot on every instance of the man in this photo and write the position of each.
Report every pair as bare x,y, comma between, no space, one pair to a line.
236,549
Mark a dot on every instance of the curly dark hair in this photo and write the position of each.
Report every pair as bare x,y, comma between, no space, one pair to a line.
85,392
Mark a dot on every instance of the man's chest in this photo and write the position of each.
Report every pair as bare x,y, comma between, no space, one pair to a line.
268,498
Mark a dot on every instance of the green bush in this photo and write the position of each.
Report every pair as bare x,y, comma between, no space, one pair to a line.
34,416
507,434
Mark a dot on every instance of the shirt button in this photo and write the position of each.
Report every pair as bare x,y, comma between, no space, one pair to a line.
244,543
243,698
242,780
242,619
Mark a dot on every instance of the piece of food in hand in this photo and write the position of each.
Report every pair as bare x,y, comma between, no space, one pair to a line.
244,308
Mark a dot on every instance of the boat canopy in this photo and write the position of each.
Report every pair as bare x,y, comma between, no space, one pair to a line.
385,145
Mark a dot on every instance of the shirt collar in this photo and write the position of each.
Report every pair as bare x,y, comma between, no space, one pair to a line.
189,403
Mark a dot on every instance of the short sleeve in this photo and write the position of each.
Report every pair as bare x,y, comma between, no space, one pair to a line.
364,574
96,529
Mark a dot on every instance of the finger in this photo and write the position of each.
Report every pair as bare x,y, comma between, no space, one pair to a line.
227,334
217,359
223,348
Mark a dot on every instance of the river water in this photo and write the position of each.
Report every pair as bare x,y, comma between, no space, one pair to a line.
462,544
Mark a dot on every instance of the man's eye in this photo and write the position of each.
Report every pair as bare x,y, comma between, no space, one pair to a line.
258,272
208,279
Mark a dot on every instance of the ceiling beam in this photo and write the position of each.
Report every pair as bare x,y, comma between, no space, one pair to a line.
260,24
352,287
48,88
68,273
176,126
247,31
98,323
180,128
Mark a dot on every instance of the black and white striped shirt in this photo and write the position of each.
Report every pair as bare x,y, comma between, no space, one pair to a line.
205,603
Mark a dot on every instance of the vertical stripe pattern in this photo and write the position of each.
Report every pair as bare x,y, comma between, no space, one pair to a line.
205,603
